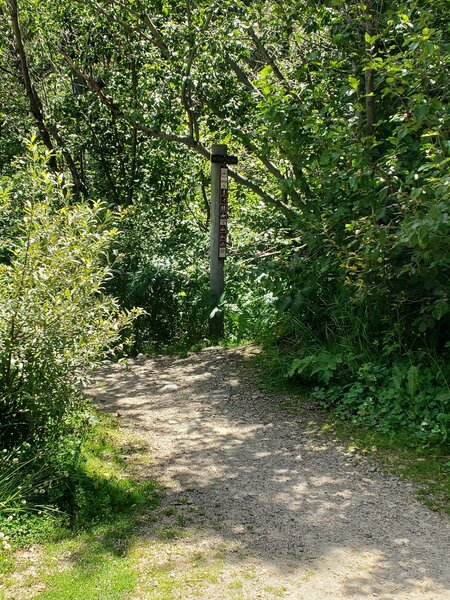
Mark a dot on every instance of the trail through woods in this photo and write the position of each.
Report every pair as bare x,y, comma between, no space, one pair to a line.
269,507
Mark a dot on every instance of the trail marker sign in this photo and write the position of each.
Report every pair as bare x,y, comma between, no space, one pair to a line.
223,212
224,159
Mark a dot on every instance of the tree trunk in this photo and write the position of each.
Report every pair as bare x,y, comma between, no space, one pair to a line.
35,103
371,30
46,130
134,139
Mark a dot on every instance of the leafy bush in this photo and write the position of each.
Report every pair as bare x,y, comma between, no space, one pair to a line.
400,398
54,319
55,323
161,258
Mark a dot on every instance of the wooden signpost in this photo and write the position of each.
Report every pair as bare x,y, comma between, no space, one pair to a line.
219,231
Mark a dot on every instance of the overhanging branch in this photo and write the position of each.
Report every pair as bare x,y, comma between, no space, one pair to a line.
288,212
188,141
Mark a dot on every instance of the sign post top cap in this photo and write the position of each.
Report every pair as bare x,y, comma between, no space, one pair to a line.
224,159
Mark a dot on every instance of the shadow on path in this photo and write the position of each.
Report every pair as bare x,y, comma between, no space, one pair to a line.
263,478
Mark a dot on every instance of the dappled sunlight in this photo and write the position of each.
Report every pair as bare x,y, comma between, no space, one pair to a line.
262,479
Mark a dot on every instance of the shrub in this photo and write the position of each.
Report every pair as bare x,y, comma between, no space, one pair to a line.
55,321
161,259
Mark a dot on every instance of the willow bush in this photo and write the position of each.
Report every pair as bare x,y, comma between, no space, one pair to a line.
55,322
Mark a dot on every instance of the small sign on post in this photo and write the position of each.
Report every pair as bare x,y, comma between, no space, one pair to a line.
223,212
224,159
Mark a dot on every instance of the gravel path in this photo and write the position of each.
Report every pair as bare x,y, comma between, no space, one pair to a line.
285,513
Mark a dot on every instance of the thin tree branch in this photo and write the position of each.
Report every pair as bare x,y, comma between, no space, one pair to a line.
188,141
126,26
369,73
270,60
242,77
35,103
46,129
286,210
5,70
134,139
245,139
156,36
185,92
116,110
205,199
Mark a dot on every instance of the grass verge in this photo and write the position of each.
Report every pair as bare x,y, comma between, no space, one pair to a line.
87,552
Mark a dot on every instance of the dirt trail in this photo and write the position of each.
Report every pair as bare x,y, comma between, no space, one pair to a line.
279,511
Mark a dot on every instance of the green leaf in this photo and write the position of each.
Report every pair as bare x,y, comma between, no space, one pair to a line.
412,380
370,39
353,81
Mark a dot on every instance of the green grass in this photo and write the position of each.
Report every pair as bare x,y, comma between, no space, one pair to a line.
170,571
89,552
100,568
276,590
236,585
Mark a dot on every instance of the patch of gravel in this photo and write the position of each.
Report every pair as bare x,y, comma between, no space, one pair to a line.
295,515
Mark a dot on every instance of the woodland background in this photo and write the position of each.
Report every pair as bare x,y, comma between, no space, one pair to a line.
339,258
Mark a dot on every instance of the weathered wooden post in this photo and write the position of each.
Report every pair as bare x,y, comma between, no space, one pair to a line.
219,231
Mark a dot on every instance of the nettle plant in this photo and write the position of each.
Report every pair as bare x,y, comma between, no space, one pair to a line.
55,320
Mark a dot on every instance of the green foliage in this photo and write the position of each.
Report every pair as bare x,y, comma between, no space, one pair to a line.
160,265
398,399
322,365
251,269
55,322
339,114
24,481
60,490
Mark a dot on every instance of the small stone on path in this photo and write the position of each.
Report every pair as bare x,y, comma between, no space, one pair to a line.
169,387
